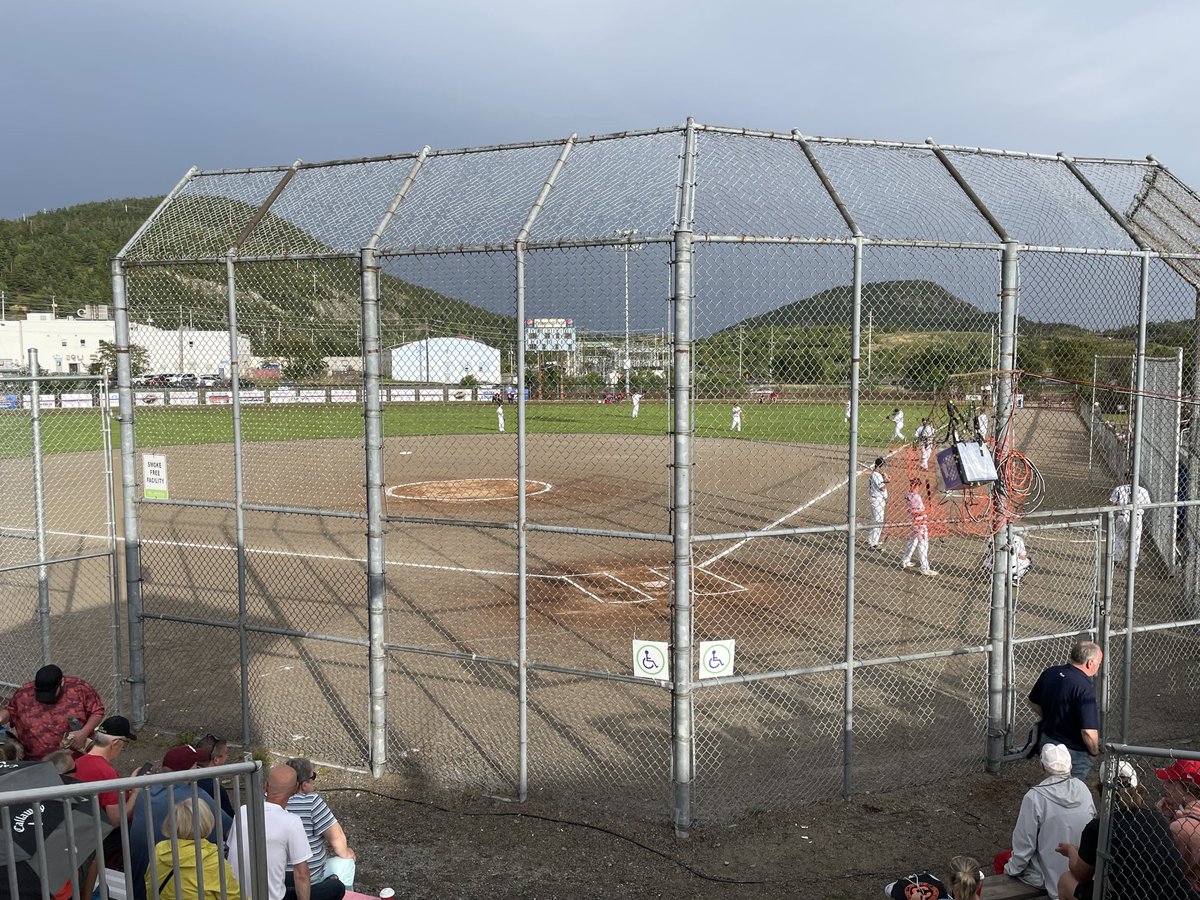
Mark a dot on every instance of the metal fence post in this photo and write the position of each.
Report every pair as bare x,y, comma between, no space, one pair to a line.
129,505
39,502
110,500
376,587
239,498
682,735
852,531
522,544
256,825
1135,476
1104,625
998,620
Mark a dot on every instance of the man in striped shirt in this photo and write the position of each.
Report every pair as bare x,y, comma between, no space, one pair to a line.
321,827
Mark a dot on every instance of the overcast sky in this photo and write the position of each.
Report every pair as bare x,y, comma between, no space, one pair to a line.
118,99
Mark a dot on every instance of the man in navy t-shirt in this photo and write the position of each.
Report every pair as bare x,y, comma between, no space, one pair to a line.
1064,698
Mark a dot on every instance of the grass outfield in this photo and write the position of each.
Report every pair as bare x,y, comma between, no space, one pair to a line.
79,430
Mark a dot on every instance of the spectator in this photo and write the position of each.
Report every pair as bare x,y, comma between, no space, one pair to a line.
287,844
1053,811
966,878
215,751
1181,807
53,712
1142,860
1064,698
189,825
109,742
966,883
321,828
152,809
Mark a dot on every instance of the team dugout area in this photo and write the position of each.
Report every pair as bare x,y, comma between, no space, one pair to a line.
617,398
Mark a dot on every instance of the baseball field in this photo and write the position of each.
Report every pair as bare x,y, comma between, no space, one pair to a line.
452,591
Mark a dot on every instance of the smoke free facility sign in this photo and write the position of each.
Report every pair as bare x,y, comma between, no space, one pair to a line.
154,477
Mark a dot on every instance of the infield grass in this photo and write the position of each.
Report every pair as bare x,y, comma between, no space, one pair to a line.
80,430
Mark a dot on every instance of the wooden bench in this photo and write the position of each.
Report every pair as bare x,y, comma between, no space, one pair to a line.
1004,887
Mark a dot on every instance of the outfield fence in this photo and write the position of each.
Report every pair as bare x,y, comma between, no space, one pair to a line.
679,613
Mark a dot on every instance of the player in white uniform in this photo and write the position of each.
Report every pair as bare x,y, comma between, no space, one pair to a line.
919,541
500,416
897,416
1127,539
637,403
1021,560
847,416
925,436
877,498
735,424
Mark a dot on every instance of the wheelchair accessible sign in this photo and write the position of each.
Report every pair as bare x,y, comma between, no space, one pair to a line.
716,658
650,659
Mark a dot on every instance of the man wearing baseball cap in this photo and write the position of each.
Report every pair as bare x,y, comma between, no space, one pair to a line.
53,712
153,807
1181,806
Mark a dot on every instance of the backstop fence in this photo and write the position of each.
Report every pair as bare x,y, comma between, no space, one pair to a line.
546,469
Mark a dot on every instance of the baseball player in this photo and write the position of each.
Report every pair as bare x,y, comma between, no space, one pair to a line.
920,530
637,403
981,424
500,416
897,416
846,418
877,498
1021,561
925,436
1127,536
735,424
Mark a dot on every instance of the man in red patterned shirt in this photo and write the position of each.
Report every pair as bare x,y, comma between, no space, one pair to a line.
52,711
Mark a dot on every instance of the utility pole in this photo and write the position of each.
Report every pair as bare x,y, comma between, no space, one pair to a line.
870,332
628,234
741,366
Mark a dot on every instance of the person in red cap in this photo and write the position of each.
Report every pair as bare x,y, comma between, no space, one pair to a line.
1181,806
53,712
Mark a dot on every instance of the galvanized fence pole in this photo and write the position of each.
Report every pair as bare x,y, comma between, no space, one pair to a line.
129,506
1104,616
1135,533
852,530
682,727
39,503
256,825
1191,559
239,513
998,619
114,572
376,586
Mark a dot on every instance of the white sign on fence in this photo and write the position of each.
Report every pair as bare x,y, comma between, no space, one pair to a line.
431,394
404,395
183,398
312,396
150,398
76,401
650,660
154,477
284,395
716,658
342,395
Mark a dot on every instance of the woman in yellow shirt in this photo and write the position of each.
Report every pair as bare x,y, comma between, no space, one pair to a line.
189,823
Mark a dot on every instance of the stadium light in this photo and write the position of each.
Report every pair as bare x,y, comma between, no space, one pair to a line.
628,234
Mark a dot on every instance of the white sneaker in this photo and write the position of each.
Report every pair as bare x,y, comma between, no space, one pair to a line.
928,571
907,563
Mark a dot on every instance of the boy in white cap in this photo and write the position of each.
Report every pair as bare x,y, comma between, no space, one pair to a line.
897,416
877,499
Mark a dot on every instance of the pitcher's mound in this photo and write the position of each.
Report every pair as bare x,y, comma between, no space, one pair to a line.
465,490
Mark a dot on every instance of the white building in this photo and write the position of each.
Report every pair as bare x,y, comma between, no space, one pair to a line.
70,345
442,360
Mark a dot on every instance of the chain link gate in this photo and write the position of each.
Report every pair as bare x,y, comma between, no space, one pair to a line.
58,543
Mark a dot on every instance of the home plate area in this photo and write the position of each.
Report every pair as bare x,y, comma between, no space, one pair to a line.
645,584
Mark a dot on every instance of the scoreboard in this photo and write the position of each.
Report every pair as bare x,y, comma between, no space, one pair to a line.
550,335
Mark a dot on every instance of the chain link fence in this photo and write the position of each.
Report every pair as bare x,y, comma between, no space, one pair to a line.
58,546
548,468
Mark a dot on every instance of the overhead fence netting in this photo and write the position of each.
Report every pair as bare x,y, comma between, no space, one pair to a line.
328,208
613,185
470,199
1040,202
761,187
902,193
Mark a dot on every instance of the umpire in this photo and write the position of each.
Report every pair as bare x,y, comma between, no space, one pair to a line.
1064,697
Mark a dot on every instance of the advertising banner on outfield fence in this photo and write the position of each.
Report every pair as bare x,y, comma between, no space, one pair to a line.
76,401
183,398
457,396
312,396
154,477
150,398
9,401
341,395
284,395
403,395
432,395
218,398
255,396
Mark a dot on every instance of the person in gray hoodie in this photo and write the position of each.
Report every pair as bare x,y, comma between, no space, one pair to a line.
1053,811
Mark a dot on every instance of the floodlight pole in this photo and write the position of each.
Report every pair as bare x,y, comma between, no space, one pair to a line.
627,234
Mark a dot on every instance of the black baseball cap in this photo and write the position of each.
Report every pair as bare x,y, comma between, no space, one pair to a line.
878,461
117,726
46,682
